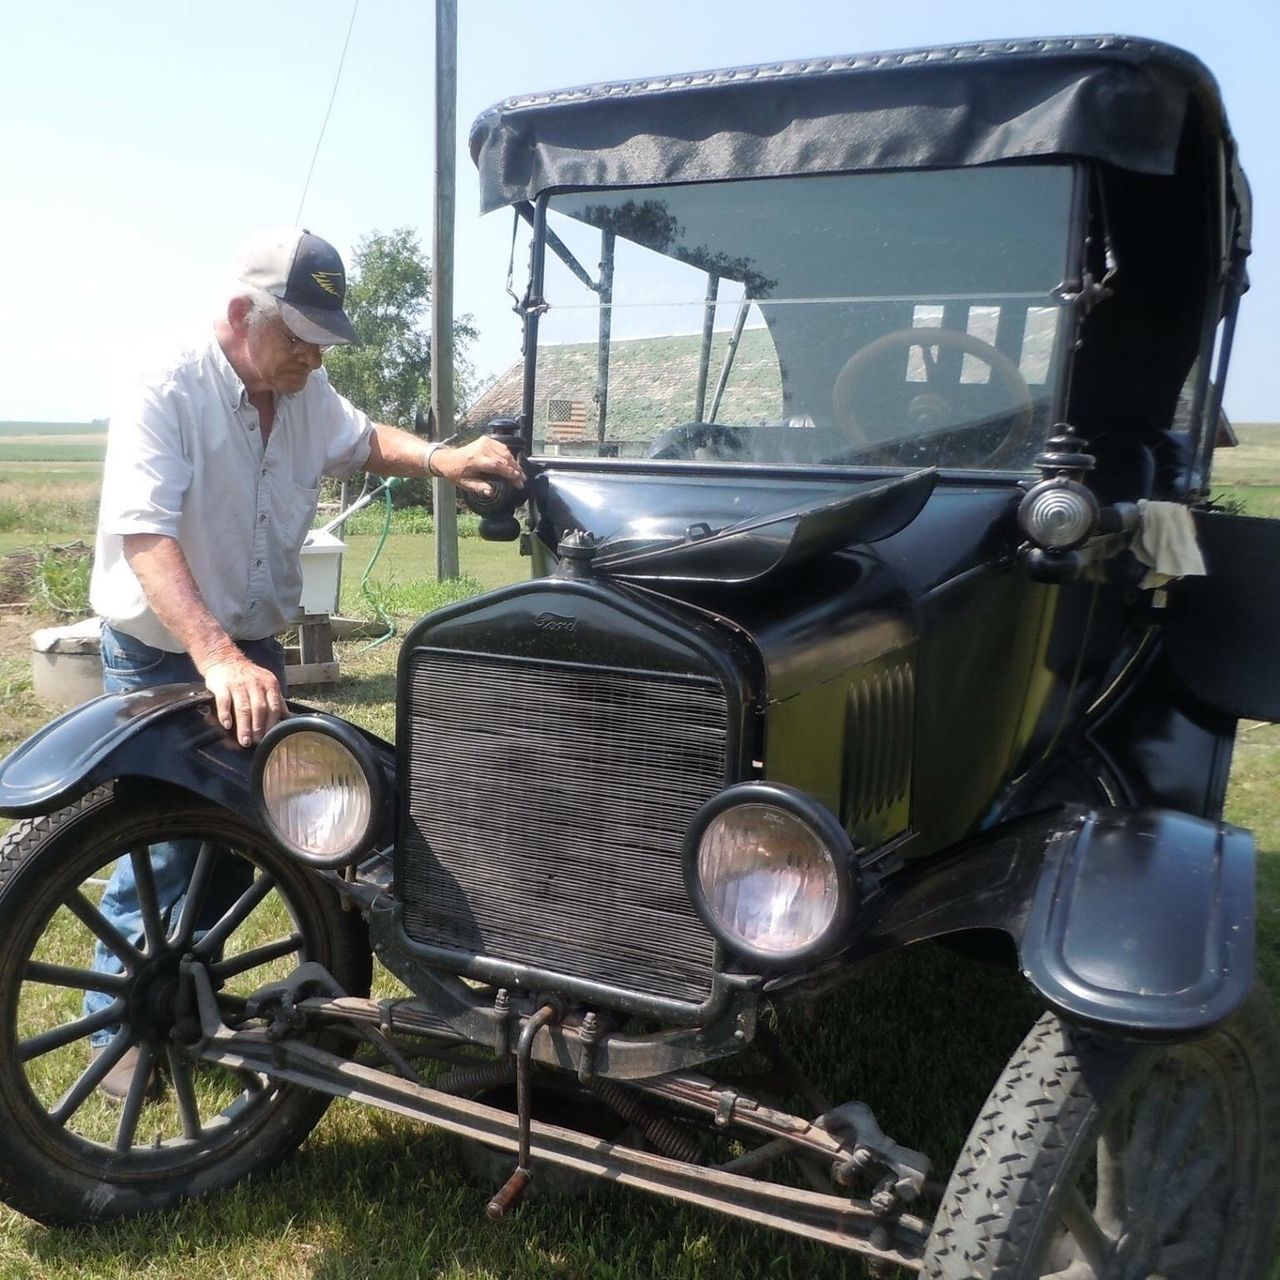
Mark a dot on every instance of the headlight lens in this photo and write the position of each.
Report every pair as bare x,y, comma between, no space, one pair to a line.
316,795
768,879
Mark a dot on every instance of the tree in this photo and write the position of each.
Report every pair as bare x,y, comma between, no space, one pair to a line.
389,300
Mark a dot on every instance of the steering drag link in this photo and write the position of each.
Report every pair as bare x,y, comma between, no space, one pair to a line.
839,1220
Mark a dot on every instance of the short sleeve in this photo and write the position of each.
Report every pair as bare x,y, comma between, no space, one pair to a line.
348,433
148,468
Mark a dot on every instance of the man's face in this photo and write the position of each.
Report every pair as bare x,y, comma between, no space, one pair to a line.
284,362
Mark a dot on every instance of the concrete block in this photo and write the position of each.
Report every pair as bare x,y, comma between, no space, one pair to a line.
66,668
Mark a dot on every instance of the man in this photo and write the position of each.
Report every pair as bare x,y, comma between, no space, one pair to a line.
211,481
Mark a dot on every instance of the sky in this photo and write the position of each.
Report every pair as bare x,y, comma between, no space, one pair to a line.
141,140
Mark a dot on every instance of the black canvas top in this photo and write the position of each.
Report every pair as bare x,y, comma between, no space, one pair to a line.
1116,99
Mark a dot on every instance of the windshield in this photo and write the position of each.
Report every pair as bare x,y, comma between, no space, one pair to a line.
909,319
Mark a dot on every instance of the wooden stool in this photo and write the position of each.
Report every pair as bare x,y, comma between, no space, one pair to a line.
311,660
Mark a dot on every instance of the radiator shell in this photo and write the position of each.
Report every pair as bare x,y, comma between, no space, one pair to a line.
555,740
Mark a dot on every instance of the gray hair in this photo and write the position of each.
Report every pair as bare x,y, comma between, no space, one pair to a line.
263,306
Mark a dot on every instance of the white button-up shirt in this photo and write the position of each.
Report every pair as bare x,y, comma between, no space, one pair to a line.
185,458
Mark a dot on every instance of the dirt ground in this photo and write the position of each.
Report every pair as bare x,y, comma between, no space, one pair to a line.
16,627
15,576
21,712
15,632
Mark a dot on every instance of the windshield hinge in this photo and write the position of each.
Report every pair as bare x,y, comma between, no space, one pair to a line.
1090,291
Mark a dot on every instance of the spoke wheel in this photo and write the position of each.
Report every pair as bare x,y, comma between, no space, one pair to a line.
1097,1159
69,1154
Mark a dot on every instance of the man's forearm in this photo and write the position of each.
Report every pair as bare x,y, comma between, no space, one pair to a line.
393,452
474,466
161,568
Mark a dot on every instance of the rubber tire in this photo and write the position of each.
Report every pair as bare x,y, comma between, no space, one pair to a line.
40,1175
1038,1127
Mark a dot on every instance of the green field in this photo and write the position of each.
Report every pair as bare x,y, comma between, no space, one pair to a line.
1253,499
1252,461
50,428
58,443
43,472
23,451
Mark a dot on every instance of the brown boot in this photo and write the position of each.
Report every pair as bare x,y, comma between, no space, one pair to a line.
114,1086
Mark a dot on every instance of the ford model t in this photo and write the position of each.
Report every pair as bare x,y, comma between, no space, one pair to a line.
867,413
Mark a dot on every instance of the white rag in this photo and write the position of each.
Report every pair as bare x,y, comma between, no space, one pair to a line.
1166,543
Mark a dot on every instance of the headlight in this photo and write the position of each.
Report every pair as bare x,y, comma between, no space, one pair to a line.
1058,514
770,873
319,790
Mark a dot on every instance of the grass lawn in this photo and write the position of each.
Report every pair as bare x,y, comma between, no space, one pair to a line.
371,1195
1255,499
410,556
402,575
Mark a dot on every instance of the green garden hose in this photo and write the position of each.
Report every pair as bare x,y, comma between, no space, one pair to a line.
367,595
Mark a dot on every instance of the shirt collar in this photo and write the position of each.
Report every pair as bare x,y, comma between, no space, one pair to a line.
228,379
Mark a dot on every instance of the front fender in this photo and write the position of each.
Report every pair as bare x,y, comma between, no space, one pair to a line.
166,734
1140,921
1145,921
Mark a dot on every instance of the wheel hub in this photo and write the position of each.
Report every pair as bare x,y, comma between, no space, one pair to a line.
153,996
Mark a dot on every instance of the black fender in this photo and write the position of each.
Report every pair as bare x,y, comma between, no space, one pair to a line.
1139,921
166,734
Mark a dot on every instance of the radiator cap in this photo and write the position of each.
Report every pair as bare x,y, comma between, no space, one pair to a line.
577,550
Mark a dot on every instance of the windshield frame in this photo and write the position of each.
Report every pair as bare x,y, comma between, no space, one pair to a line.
1072,291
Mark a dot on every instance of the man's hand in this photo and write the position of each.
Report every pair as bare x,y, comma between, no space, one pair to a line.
247,697
472,465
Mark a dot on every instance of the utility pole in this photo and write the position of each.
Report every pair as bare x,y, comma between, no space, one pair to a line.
444,500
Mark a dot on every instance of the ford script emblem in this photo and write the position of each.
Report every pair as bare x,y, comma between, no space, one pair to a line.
555,622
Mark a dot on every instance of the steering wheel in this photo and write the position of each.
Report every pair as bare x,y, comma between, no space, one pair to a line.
930,409
686,441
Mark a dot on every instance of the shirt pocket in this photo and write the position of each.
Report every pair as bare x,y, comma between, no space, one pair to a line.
297,504
294,510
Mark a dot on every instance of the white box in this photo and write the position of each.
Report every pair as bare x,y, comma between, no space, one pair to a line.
321,572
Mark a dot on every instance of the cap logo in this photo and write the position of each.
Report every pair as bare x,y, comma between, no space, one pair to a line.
329,281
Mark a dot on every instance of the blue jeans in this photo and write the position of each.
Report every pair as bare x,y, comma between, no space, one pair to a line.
128,665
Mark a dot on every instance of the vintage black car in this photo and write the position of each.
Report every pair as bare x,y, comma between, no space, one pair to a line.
868,411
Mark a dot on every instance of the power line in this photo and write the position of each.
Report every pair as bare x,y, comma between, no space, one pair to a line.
306,186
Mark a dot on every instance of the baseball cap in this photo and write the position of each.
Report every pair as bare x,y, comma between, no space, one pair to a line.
306,275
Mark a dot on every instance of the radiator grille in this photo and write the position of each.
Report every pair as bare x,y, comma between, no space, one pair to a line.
547,807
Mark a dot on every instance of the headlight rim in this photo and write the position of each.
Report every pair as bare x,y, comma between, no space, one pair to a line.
834,839
347,736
